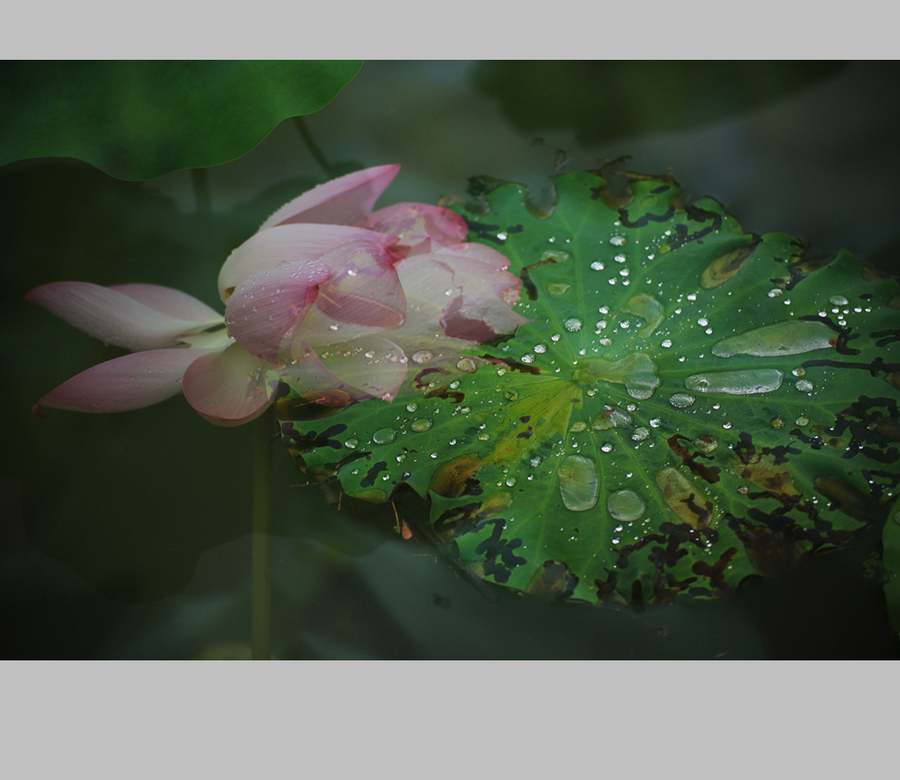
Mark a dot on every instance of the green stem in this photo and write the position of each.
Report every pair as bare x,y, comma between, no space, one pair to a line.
200,180
312,145
260,589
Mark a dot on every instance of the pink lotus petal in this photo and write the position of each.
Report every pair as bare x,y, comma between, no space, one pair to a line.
482,309
263,312
364,288
166,300
368,367
470,251
230,387
472,300
115,317
125,383
342,201
414,223
287,243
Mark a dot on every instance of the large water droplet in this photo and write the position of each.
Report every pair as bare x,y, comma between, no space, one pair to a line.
572,325
557,289
682,400
384,436
579,485
420,425
649,309
758,380
706,444
466,364
625,505
422,356
783,338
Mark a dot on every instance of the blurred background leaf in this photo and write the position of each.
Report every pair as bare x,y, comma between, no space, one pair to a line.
602,101
139,120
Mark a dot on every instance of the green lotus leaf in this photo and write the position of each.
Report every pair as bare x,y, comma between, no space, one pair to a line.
139,120
690,405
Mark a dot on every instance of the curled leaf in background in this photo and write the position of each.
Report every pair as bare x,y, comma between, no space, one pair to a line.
139,120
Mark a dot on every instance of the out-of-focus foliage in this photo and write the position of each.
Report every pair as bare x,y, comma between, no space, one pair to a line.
605,100
138,120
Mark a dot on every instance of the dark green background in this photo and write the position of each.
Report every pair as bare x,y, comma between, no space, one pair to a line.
126,535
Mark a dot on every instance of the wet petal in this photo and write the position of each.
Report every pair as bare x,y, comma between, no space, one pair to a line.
125,383
472,300
469,251
118,318
265,311
414,223
288,243
228,388
368,367
364,288
169,301
342,201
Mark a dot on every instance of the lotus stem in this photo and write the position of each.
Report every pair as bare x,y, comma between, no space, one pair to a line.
312,145
260,589
200,180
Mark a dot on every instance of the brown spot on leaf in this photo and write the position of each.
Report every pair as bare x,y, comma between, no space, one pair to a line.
704,472
446,392
767,468
553,582
456,477
715,573
770,551
849,499
684,498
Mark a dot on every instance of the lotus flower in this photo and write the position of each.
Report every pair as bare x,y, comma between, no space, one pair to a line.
329,296
399,285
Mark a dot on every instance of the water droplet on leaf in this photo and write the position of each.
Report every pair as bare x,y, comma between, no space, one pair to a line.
579,485
625,506
759,380
783,338
682,400
384,436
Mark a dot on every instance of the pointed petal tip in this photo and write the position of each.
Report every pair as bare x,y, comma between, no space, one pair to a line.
341,201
